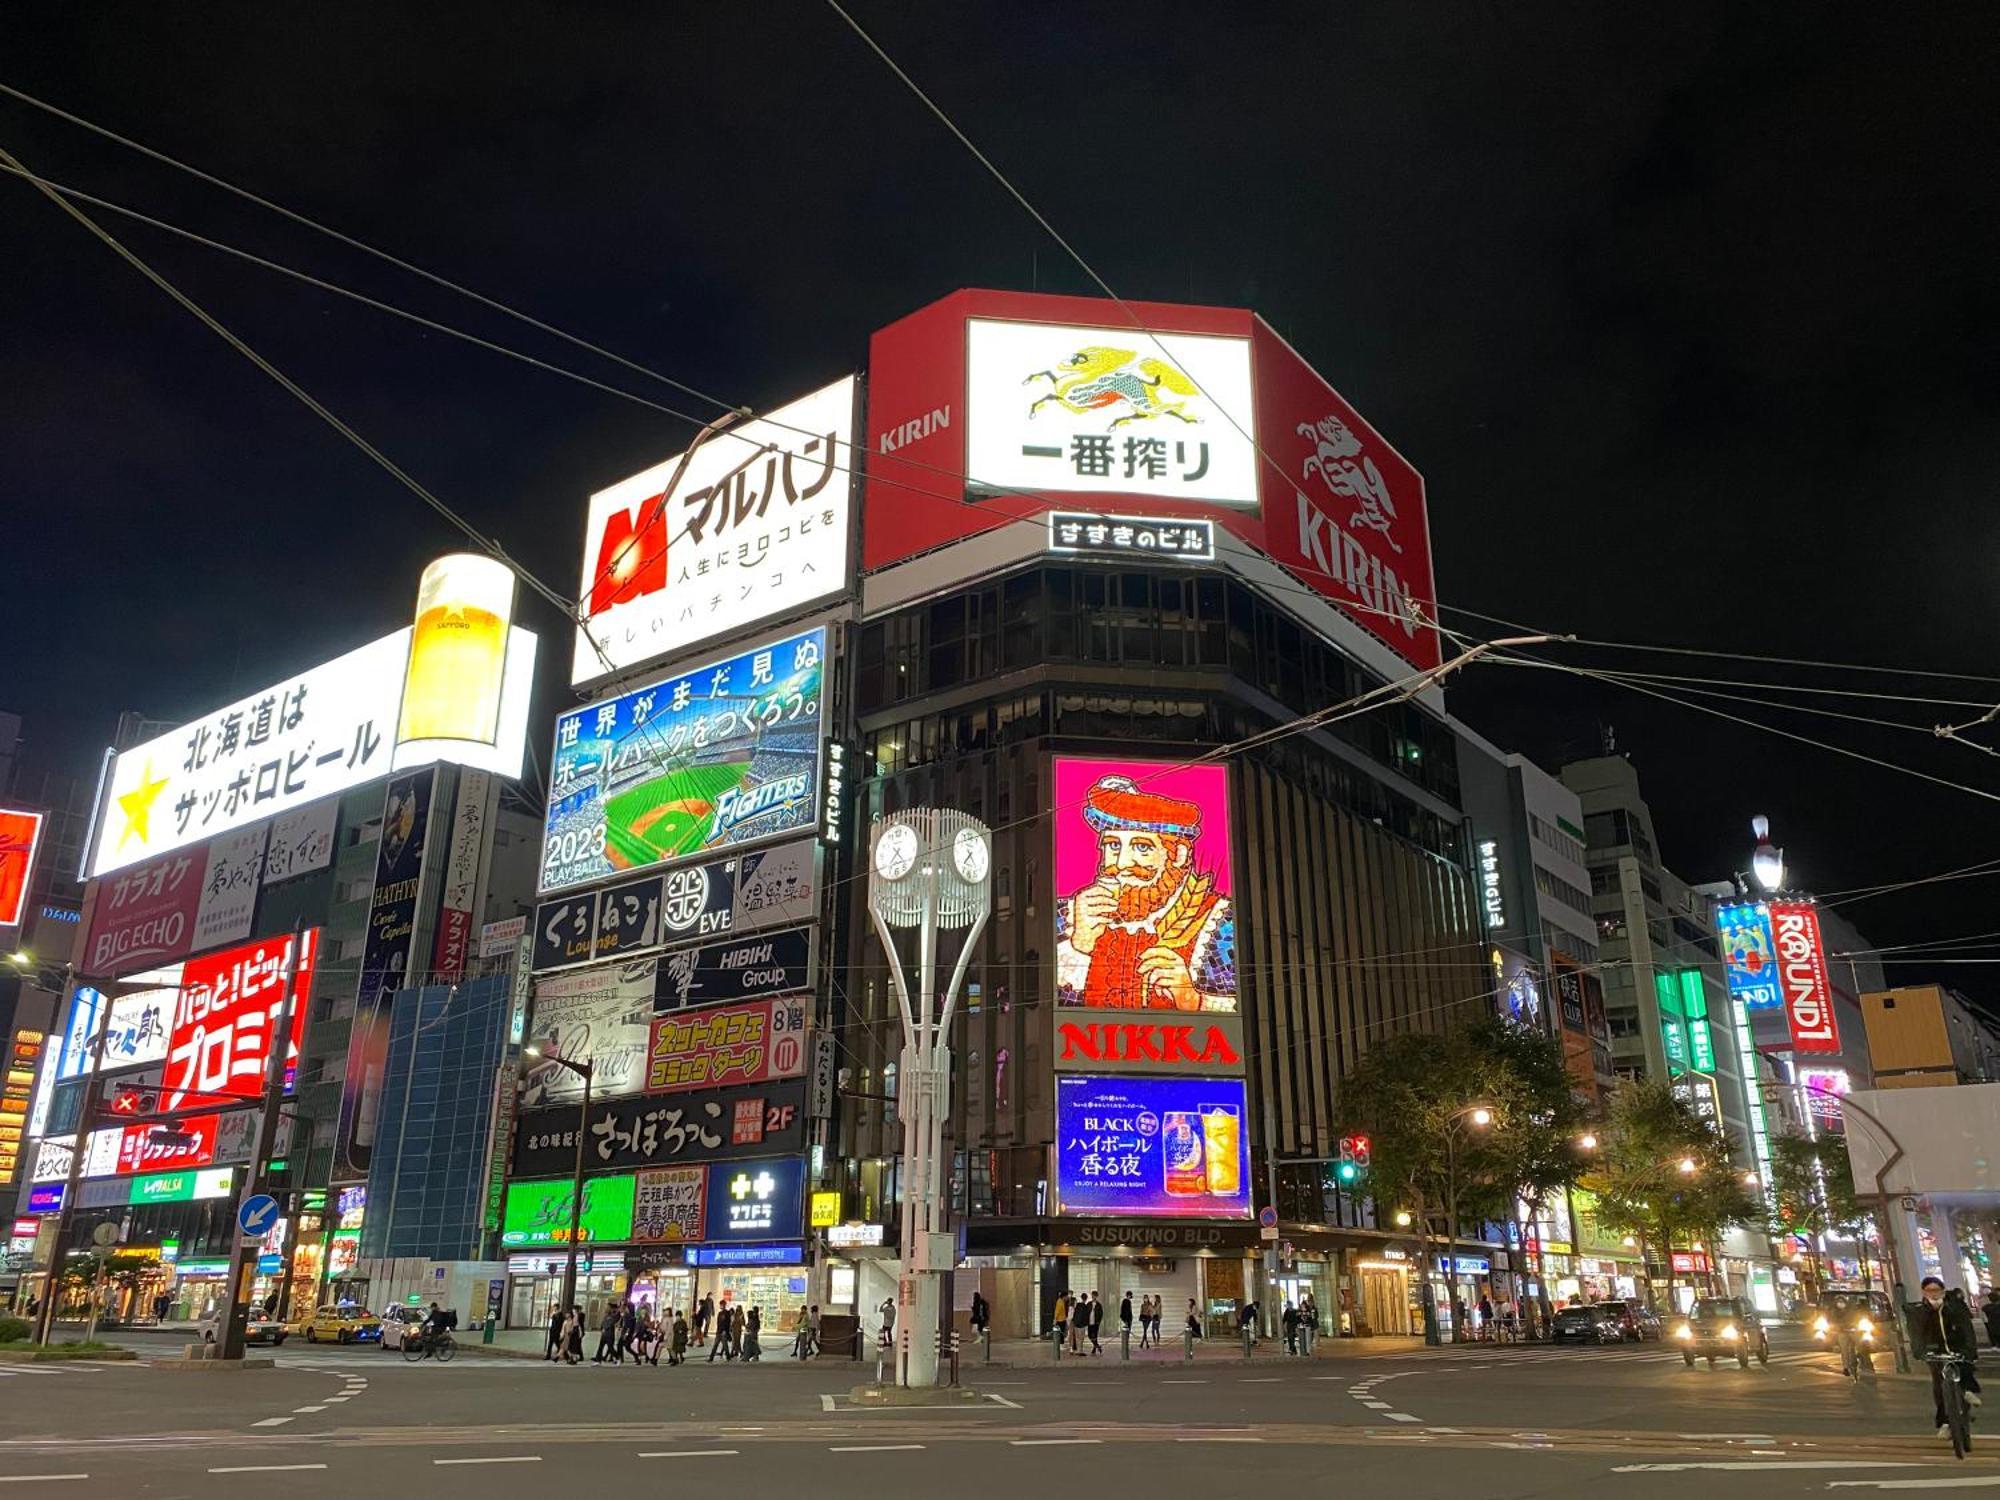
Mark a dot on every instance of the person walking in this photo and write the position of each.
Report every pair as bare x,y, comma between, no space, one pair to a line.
753,1352
573,1335
607,1335
628,1334
1190,1331
1059,1319
1991,1308
1308,1324
555,1349
1096,1323
1125,1318
982,1315
677,1350
1290,1321
704,1315
720,1345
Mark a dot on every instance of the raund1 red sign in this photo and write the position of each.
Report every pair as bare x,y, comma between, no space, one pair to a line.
1802,977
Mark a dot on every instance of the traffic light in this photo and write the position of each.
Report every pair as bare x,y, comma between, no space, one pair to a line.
1352,1159
133,1101
1347,1171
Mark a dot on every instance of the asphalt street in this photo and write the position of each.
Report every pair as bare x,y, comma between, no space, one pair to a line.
1511,1422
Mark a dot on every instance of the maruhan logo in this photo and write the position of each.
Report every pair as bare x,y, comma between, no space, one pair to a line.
1344,560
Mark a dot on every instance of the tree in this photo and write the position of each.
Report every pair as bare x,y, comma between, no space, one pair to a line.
1812,1185
1664,1174
1414,1096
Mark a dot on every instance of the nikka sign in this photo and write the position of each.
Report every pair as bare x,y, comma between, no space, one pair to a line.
1201,1046
1802,977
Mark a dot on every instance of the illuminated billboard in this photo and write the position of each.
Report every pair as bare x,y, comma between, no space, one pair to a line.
1118,403
1160,1147
726,754
20,834
1803,978
1748,955
1145,917
228,1008
601,1016
1054,406
755,523
322,731
538,1213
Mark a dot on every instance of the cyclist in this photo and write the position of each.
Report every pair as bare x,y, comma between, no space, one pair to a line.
1943,1325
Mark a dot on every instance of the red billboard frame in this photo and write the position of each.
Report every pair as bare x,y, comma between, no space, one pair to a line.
20,837
1337,507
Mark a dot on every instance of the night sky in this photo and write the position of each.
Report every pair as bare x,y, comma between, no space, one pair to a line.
1688,315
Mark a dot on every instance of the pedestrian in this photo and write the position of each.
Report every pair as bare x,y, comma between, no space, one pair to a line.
557,1317
720,1344
753,1352
1059,1320
1485,1316
1290,1320
704,1315
1308,1324
1096,1323
607,1336
1125,1319
573,1335
1246,1319
1991,1308
628,1333
677,1350
982,1315
1191,1331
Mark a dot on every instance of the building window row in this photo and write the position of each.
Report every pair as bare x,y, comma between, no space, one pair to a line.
1557,889
1564,844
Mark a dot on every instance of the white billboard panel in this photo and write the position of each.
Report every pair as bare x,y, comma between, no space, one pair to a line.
758,525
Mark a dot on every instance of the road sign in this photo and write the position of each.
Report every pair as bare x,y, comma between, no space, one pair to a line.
258,1213
1268,1218
104,1235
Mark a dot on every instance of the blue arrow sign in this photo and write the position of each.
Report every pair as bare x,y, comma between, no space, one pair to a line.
258,1213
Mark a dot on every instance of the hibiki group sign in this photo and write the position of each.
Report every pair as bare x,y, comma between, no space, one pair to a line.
1802,976
724,755
755,525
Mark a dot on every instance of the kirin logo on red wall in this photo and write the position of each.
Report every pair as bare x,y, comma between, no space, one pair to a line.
1802,976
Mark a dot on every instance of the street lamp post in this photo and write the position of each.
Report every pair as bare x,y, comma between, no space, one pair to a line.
546,1052
930,872
1479,1117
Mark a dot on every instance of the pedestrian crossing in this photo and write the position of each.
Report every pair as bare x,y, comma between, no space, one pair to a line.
1501,1356
10,1371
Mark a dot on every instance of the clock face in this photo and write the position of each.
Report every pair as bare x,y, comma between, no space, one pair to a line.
896,851
969,853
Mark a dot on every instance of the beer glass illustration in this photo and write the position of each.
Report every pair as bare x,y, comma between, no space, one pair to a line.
1222,1136
458,651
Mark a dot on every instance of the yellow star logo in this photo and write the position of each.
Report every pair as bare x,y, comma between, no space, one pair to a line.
138,805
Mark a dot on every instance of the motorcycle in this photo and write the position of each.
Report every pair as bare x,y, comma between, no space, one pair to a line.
1853,1337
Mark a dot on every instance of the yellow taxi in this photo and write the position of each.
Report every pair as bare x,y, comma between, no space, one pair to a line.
347,1323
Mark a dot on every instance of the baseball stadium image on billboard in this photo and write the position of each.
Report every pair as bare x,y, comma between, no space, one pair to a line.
725,754
1145,916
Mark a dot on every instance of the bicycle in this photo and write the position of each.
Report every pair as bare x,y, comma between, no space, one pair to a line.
421,1346
1951,1393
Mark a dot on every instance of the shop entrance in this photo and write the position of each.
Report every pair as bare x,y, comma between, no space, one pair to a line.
1385,1300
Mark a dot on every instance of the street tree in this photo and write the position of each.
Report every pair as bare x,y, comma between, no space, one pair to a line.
1663,1174
1812,1190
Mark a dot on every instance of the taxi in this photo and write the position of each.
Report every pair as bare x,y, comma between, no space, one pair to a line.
349,1323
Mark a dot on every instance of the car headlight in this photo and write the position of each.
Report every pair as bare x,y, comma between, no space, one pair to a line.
1683,1332
1864,1325
1728,1331
1820,1326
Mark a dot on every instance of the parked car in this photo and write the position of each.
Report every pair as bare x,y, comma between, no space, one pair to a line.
1725,1327
400,1322
345,1324
1586,1325
1636,1321
259,1330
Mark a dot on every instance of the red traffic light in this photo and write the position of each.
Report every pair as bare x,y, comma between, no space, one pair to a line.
1354,1149
133,1102
125,1103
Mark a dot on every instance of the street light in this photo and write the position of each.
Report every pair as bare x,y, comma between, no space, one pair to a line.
1586,1142
1687,1166
1402,1218
545,1051
1478,1116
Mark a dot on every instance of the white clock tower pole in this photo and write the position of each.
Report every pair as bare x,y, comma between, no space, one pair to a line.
930,873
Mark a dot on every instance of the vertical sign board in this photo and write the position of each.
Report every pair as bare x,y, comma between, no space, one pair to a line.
385,959
1803,978
20,832
462,876
1749,956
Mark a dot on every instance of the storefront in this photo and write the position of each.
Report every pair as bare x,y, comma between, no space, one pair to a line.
1214,1266
1385,1300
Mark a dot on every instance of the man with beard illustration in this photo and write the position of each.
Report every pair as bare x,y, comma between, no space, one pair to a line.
1151,932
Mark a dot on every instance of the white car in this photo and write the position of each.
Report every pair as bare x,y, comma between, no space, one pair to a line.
399,1321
